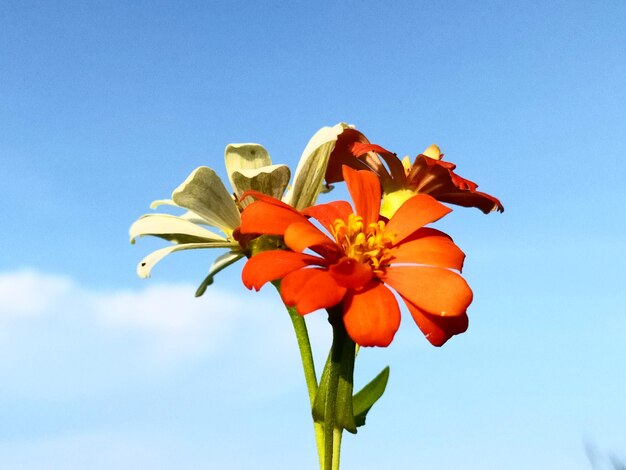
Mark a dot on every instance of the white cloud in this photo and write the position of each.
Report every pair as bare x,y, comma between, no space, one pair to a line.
28,293
59,338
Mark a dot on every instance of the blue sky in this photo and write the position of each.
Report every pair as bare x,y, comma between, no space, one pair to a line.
106,106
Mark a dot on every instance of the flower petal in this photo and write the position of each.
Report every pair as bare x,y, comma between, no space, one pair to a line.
204,193
310,289
416,212
269,218
343,154
302,235
433,176
172,228
437,330
307,182
371,316
271,265
350,273
433,152
271,180
220,263
239,157
437,291
145,266
364,188
427,247
327,214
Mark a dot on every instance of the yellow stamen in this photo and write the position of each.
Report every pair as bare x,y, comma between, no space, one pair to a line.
369,245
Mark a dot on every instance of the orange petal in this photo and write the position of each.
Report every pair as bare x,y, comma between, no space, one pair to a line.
414,214
302,235
268,218
364,187
310,289
437,291
350,273
425,247
328,213
437,330
371,316
272,265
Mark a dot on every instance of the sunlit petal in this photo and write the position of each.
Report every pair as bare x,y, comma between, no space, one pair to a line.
267,218
220,263
271,180
372,315
327,214
172,228
145,266
437,329
428,248
204,193
309,176
414,214
271,265
302,235
437,291
364,188
238,157
310,289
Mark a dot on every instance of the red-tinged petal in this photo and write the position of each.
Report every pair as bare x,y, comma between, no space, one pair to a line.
350,273
438,179
361,148
437,291
437,330
364,188
268,218
371,316
327,214
302,235
271,265
342,154
426,248
416,212
310,289
482,201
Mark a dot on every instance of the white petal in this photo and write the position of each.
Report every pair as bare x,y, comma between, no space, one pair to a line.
307,182
146,265
220,263
271,180
172,228
239,157
162,202
204,193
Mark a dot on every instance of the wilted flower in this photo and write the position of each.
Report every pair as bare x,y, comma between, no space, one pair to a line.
400,180
360,258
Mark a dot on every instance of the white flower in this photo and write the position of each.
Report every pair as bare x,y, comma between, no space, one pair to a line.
209,204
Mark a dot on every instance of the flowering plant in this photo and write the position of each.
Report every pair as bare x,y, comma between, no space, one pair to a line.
354,260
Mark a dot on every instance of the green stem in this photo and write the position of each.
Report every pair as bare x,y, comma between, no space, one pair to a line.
337,389
336,447
308,365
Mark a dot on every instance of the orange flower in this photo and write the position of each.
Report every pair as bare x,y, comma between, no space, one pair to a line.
400,179
363,256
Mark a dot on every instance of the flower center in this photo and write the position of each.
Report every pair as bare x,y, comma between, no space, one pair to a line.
369,245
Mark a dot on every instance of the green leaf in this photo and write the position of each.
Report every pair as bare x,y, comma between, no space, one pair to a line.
365,399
